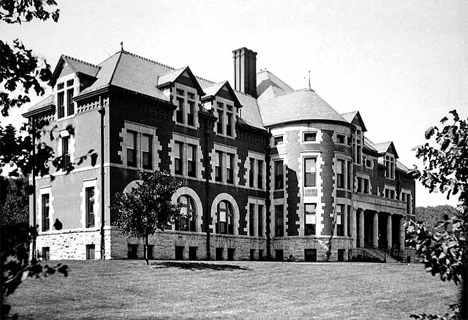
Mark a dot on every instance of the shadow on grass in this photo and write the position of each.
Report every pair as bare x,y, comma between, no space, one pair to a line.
197,266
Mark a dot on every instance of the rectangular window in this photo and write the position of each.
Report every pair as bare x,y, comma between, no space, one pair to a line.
310,255
90,252
89,200
219,254
310,172
251,219
252,172
179,252
339,219
278,140
348,213
132,252
180,110
310,136
368,163
341,255
260,174
366,185
279,224
218,166
193,253
340,174
359,184
70,104
229,168
178,154
191,160
65,153
359,155
260,220
45,253
180,92
191,113
131,148
279,175
229,131
310,219
279,255
220,124
350,176
340,139
231,252
146,150
45,212
61,104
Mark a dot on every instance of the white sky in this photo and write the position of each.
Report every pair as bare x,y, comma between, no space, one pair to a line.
402,64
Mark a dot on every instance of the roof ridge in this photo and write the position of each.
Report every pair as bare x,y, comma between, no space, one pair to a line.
212,82
82,61
284,83
390,141
147,59
349,112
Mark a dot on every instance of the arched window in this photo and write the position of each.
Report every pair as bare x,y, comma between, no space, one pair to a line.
225,215
187,221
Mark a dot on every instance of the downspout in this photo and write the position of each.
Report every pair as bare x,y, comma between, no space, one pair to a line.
268,197
34,222
102,112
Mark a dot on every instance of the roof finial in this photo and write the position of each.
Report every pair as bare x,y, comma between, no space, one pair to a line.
309,81
121,46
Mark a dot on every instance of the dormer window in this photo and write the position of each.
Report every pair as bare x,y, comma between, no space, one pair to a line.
226,120
65,105
389,166
185,113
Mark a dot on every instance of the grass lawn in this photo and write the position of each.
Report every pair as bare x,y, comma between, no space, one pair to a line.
128,289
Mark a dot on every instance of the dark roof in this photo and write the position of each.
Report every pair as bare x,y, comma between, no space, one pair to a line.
266,79
355,116
132,72
297,106
172,76
213,90
402,167
78,66
42,106
383,147
250,112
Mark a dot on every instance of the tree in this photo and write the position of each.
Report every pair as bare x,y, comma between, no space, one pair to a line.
429,216
444,250
146,208
15,201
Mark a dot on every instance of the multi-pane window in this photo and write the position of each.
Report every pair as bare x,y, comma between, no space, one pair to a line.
131,144
178,154
90,252
65,105
260,174
350,176
218,166
339,219
340,174
310,178
363,185
187,221
310,136
279,174
146,151
191,160
341,139
389,167
251,219
260,220
66,152
226,121
279,221
45,201
358,147
89,207
225,218
229,168
252,172
185,113
310,219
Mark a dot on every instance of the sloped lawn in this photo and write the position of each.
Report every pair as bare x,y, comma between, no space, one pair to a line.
233,290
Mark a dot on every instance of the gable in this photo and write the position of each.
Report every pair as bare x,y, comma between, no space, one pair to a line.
66,70
392,150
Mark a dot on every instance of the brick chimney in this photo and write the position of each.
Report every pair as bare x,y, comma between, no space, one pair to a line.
245,71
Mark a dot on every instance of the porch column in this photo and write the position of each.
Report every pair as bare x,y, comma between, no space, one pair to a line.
361,228
401,232
375,230
389,231
353,226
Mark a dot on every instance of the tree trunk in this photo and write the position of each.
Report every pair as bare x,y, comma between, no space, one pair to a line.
146,248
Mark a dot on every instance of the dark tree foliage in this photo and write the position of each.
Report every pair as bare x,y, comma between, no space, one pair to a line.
444,249
14,201
147,207
430,216
20,69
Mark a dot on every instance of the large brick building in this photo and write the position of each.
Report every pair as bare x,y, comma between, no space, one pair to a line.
266,170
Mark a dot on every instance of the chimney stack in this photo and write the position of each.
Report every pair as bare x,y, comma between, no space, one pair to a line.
245,71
